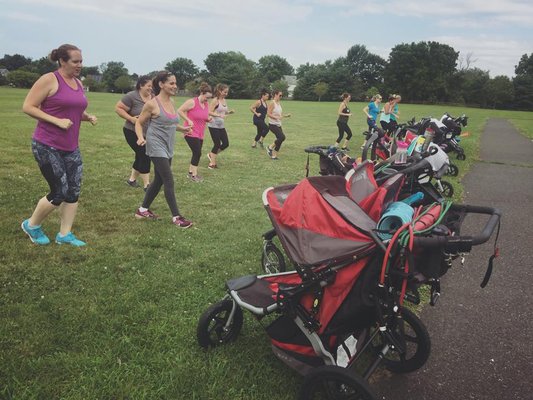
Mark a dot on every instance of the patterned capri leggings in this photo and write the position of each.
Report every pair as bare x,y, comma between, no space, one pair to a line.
62,170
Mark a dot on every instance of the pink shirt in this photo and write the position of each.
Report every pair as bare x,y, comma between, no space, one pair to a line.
199,116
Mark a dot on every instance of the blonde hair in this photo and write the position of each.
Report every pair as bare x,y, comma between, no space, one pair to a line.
377,96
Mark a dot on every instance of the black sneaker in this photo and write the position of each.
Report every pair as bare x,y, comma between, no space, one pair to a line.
133,184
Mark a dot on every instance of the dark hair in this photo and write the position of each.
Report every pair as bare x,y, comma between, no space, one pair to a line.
219,88
204,88
161,77
143,80
62,53
345,95
263,92
275,92
392,97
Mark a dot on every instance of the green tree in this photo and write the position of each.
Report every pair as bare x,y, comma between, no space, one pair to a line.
184,70
475,86
41,66
233,69
309,75
123,83
14,62
86,71
22,79
320,89
92,85
280,85
523,83
273,67
110,72
365,66
500,92
421,71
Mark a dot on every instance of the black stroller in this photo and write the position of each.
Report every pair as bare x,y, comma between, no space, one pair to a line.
346,296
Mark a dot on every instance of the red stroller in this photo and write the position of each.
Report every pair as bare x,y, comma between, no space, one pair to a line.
346,296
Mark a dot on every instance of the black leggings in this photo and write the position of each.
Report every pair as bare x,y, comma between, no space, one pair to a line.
195,144
220,139
262,130
280,136
141,163
343,127
163,177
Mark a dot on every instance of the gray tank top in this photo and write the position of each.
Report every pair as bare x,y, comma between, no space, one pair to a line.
161,134
218,122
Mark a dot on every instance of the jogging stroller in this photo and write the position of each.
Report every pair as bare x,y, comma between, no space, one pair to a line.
332,161
345,298
450,141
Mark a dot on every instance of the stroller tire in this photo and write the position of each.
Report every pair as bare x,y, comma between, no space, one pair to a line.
333,382
213,328
447,189
452,170
461,156
272,259
417,342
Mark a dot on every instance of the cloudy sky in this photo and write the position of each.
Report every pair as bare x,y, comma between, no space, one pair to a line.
146,34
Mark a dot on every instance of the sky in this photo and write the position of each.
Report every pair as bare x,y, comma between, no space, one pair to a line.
147,34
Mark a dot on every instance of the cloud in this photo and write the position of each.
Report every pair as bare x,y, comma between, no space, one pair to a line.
200,14
498,55
24,17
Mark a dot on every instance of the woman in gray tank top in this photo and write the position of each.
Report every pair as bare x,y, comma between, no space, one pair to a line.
159,142
216,126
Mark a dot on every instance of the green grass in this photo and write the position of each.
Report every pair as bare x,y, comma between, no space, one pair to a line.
117,319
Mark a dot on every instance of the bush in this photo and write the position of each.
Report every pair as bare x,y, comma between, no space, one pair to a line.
22,79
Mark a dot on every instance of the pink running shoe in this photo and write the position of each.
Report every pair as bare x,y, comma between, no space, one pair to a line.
145,214
182,222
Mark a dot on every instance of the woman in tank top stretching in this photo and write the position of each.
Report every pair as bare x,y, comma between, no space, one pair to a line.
160,139
57,101
275,115
219,108
196,114
259,109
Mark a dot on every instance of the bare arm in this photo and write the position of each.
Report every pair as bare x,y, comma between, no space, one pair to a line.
45,86
365,110
184,108
122,111
146,114
253,108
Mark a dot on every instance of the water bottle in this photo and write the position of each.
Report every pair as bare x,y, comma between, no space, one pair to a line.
401,152
428,135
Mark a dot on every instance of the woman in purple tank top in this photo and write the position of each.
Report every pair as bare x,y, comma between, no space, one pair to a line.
57,101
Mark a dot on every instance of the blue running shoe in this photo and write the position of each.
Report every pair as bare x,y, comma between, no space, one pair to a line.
69,238
269,152
35,233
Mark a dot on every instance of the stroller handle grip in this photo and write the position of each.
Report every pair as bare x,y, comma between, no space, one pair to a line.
464,242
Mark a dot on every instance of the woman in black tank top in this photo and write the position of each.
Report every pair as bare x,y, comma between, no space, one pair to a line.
259,109
342,122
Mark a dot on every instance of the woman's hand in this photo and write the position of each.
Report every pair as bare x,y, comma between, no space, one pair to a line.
64,123
141,142
92,119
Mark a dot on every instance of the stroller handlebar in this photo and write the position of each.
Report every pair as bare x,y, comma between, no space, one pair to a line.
464,243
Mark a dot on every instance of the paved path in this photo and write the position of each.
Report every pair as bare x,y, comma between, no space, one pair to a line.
482,339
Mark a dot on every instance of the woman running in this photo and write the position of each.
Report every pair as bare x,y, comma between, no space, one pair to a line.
57,101
344,114
218,107
259,109
275,115
159,141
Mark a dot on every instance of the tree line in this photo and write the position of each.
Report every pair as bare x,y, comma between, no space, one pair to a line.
423,72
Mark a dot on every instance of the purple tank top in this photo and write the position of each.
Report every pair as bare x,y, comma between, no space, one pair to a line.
65,103
199,117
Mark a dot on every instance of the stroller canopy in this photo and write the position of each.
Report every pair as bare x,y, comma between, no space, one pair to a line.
318,221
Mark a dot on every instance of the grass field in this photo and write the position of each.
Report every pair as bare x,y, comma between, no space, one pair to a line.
117,319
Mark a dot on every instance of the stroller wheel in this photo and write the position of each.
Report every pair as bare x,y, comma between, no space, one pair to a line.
215,326
445,188
453,170
411,333
461,156
332,382
272,259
